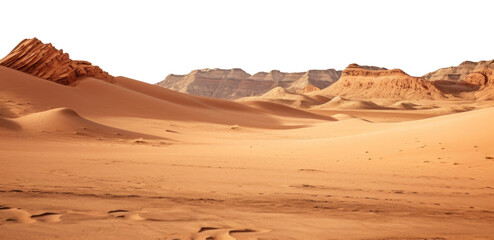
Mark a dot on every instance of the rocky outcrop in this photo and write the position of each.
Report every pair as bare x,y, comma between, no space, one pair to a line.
45,61
315,80
236,83
456,73
366,82
218,83
483,77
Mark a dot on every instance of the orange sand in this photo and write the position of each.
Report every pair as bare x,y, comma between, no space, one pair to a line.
129,160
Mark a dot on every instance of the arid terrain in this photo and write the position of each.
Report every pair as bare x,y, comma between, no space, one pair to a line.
376,155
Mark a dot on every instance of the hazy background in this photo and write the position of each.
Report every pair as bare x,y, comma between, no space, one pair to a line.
147,40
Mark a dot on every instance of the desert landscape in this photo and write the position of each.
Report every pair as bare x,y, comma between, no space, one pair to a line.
361,153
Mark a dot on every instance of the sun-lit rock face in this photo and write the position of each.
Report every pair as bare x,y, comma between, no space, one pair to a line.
482,74
483,77
364,82
455,73
236,83
45,61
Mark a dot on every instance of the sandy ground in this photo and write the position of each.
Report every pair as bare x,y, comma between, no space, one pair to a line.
74,169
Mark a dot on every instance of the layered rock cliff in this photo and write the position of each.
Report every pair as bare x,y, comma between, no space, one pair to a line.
236,83
364,82
45,61
455,73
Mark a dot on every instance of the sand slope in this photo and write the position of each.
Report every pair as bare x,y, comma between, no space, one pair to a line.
65,122
343,103
410,180
375,158
283,96
124,97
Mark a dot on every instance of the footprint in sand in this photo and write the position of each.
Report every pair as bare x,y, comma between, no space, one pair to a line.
47,217
213,233
17,215
120,213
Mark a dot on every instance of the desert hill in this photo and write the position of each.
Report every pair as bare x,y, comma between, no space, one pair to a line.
45,61
89,91
314,80
371,82
236,83
283,96
24,94
456,73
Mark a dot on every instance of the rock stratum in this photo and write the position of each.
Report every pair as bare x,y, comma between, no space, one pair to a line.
236,83
456,73
365,82
45,61
472,80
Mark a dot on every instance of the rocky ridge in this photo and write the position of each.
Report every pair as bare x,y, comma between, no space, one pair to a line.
45,61
236,83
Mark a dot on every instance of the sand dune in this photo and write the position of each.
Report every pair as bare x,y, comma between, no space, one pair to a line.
405,105
343,103
7,124
283,96
65,121
283,110
126,97
342,116
377,155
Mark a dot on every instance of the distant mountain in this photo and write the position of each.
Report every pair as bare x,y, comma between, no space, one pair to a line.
236,83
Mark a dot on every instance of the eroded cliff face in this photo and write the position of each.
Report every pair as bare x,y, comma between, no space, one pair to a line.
456,73
368,82
236,83
45,61
483,77
482,74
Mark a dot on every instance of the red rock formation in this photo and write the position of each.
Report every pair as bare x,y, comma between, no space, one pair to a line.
483,77
366,82
45,61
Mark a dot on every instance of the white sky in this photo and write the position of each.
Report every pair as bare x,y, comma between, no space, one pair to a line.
147,40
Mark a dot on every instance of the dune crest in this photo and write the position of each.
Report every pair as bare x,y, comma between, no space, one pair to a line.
282,96
343,103
64,121
45,61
